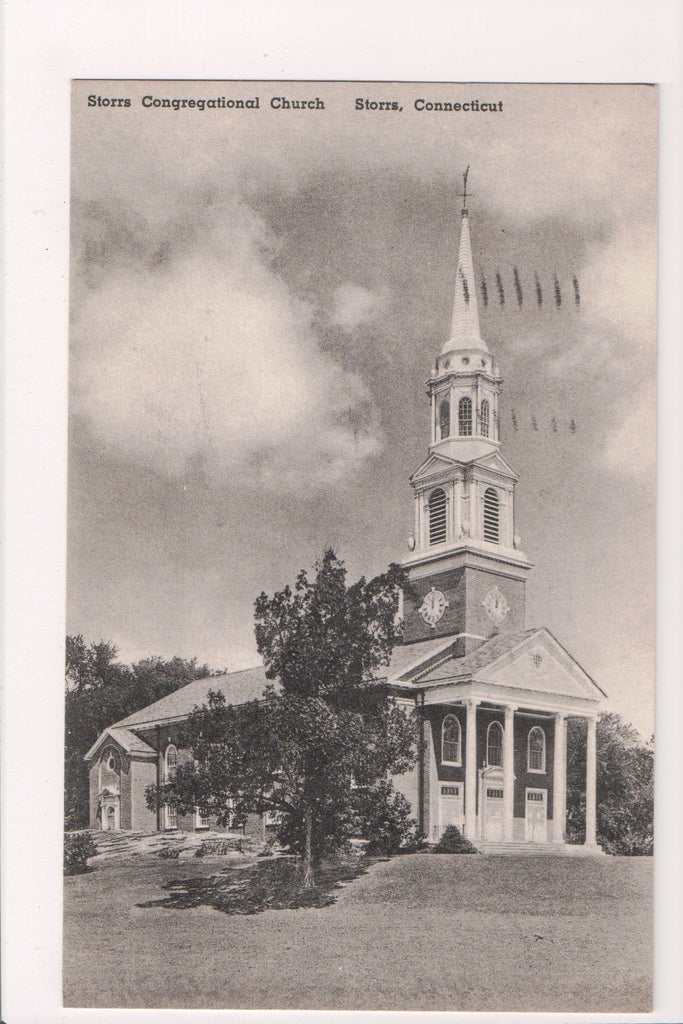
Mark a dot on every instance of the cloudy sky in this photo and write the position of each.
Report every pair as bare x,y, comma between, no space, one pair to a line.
257,297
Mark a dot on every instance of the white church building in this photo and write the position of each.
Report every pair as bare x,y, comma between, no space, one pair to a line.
493,696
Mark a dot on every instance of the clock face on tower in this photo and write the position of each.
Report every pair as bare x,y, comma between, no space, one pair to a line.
496,606
433,607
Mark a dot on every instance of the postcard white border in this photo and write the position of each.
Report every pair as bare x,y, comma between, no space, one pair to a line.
46,45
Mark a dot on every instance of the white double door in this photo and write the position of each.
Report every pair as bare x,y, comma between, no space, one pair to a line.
452,807
536,816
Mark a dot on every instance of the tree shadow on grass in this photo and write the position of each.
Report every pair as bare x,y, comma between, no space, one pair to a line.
268,885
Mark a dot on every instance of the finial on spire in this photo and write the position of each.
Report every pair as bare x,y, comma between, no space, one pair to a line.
464,194
465,331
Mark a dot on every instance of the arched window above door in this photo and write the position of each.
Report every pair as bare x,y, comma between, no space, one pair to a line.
536,750
451,741
494,745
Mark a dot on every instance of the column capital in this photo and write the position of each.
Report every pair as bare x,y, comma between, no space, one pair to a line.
510,708
560,716
472,703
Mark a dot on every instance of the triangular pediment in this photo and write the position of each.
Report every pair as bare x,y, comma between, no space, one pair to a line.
434,465
532,661
126,741
540,664
497,463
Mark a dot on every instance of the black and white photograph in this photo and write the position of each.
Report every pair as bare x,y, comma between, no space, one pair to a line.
360,583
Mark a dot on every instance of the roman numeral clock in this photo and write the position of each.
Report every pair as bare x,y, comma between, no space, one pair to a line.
433,607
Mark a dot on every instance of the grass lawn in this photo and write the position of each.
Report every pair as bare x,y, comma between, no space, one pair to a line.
416,932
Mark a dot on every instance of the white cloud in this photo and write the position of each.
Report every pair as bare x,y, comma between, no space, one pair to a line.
629,447
354,305
619,285
211,356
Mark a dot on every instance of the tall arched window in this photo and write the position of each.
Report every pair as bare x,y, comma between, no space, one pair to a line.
536,750
491,515
171,762
444,419
494,745
450,740
437,516
465,416
485,418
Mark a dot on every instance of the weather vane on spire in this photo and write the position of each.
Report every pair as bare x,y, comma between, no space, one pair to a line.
464,192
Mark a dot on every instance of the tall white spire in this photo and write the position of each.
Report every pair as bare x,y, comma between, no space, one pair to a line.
465,330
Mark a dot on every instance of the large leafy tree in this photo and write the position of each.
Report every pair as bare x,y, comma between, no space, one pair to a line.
99,691
625,786
316,751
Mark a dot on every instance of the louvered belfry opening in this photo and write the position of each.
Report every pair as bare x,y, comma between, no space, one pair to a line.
491,516
437,516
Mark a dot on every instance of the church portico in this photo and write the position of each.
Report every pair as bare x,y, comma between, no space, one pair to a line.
499,771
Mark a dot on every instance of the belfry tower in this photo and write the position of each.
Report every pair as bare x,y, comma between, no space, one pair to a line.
466,572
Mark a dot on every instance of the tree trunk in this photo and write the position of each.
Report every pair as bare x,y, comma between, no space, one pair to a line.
308,879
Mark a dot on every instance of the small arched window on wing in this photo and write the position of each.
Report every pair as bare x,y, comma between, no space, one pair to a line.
171,762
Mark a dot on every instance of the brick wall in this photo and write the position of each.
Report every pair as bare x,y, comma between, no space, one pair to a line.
525,778
142,775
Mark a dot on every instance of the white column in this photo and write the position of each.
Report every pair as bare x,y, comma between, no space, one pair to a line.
433,408
509,773
471,771
591,778
559,778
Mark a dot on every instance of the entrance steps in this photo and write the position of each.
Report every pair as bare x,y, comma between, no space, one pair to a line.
523,849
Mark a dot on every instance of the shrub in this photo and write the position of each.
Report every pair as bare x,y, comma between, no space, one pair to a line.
384,818
78,846
415,844
453,842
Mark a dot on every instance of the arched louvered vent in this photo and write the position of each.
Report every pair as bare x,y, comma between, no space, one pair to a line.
465,416
485,418
491,516
437,516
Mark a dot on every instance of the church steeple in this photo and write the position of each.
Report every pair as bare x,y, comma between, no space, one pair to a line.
464,545
465,330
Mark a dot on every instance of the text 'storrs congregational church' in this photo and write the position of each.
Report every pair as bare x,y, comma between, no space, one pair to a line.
493,697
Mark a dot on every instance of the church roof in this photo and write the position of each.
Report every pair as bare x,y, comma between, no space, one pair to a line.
486,653
125,738
406,659
238,688
531,660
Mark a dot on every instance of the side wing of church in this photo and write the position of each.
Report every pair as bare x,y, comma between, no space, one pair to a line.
493,697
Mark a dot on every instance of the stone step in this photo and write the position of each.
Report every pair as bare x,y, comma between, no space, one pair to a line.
553,849
521,848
